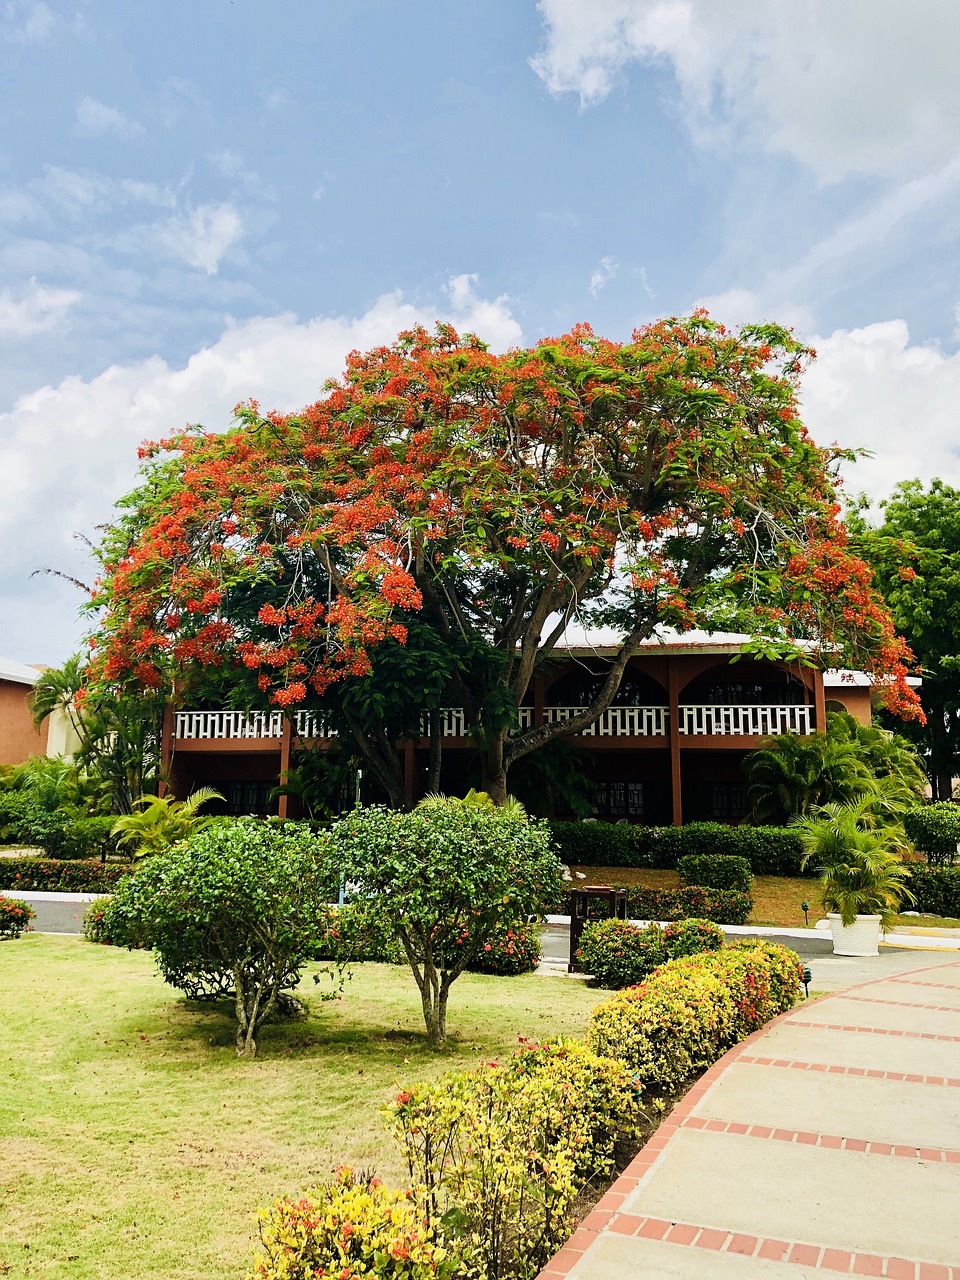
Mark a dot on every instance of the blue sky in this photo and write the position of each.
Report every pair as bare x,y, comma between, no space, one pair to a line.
200,203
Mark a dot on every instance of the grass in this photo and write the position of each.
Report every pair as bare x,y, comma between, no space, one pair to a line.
776,899
134,1144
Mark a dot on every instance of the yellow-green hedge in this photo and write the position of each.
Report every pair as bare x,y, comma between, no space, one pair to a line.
690,1011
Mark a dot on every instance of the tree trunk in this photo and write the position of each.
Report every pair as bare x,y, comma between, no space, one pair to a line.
493,769
436,753
941,773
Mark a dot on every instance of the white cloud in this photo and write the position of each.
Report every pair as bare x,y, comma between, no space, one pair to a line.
25,22
201,237
603,273
39,309
870,388
843,88
95,120
67,452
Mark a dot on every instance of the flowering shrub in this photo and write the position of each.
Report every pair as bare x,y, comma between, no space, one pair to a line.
354,1229
508,1148
723,906
15,917
691,1010
508,951
62,877
619,954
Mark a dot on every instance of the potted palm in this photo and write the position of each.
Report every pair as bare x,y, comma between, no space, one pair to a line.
863,881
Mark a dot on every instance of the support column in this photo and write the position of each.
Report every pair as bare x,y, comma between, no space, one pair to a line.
408,770
166,750
673,728
819,702
286,742
538,701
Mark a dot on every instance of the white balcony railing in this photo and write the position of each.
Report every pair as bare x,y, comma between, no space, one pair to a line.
615,722
746,721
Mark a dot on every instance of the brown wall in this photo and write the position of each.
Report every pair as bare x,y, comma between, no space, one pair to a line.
18,738
856,701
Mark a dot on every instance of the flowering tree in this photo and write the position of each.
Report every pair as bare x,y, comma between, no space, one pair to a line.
666,480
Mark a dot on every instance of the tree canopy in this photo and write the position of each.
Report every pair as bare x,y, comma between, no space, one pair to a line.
914,549
667,480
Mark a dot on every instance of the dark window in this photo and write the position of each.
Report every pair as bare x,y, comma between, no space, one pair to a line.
248,797
729,801
618,800
745,693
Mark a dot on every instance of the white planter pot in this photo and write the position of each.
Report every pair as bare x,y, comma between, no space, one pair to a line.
861,938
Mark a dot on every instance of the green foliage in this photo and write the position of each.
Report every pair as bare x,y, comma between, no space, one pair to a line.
769,850
356,932
92,838
355,1228
915,554
236,908
722,906
683,1017
716,871
505,1151
160,821
320,780
47,875
934,829
936,890
619,954
508,951
15,917
440,870
860,872
792,775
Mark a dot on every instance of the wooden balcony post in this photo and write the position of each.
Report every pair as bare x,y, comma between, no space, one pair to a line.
286,741
819,702
166,750
673,685
538,701
409,780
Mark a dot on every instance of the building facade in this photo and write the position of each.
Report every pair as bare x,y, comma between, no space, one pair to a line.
669,750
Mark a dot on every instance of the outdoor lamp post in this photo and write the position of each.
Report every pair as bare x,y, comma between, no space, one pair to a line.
805,907
807,979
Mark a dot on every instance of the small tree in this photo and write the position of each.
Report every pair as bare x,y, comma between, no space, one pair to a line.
237,907
446,875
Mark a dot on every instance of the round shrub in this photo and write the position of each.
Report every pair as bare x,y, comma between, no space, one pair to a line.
508,951
618,954
690,937
15,917
354,1229
934,829
716,871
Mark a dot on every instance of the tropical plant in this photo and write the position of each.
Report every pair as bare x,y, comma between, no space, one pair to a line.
161,821
663,481
860,871
447,876
321,780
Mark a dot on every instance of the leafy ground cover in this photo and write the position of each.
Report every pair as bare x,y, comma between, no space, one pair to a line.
134,1143
776,899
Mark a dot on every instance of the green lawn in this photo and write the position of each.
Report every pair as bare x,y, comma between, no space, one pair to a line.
133,1143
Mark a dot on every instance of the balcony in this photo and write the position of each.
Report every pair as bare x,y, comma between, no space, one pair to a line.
616,722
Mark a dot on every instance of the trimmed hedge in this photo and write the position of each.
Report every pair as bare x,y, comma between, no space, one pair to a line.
38,874
937,890
934,829
770,851
722,906
716,871
618,954
690,1011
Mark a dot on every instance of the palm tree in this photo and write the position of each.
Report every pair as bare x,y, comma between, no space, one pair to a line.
162,821
791,776
860,872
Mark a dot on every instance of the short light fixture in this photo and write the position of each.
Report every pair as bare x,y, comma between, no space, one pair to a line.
807,979
805,907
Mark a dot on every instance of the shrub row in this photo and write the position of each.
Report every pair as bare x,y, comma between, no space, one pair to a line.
24,821
770,851
934,829
722,906
690,1011
500,1156
63,877
15,917
618,954
937,889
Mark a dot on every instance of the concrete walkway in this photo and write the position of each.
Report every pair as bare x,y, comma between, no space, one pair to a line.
827,1143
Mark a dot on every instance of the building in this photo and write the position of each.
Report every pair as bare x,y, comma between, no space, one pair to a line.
670,749
19,740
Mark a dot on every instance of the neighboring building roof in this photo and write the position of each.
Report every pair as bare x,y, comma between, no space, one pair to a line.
18,672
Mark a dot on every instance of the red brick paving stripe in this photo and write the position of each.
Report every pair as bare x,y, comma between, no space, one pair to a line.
912,982
832,1141
878,1031
800,1253
908,1077
905,1004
